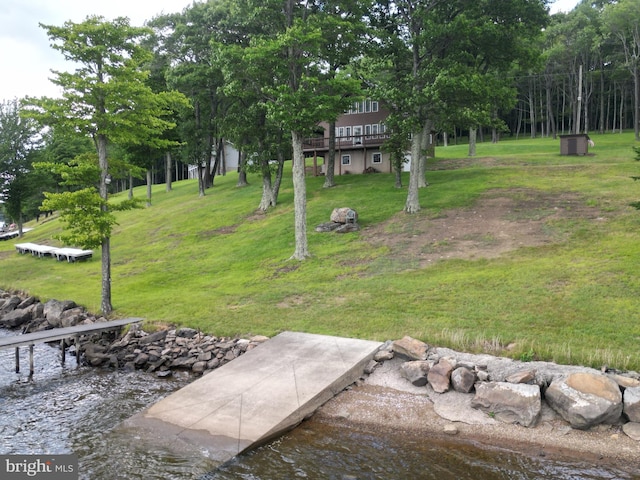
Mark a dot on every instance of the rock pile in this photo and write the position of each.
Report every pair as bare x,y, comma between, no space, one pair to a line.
342,220
160,352
512,391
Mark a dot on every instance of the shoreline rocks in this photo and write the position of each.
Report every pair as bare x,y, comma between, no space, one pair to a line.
498,388
159,352
517,392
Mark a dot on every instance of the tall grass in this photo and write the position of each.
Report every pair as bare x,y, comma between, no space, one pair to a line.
215,264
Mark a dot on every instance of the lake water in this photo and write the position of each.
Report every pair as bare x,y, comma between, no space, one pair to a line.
64,410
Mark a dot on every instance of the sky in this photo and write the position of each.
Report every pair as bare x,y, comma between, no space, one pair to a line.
26,59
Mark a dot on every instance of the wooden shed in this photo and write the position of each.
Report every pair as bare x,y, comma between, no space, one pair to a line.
575,144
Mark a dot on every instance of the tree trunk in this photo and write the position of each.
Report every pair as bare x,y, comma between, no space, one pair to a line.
299,198
636,101
267,187
130,185
103,162
329,180
398,171
167,167
422,165
201,180
413,196
279,174
149,183
472,141
242,174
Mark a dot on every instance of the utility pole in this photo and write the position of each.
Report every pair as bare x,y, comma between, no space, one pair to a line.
579,110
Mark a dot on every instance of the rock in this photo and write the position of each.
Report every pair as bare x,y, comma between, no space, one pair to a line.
53,310
10,305
383,355
347,228
526,376
141,359
450,429
463,380
164,373
328,227
158,336
632,430
27,302
16,318
416,372
625,382
183,362
439,376
371,366
585,399
258,339
344,215
631,404
186,332
410,348
509,402
199,367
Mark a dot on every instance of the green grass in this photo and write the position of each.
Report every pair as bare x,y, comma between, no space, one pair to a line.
213,263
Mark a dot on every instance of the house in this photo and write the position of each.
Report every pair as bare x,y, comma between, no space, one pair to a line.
360,133
230,161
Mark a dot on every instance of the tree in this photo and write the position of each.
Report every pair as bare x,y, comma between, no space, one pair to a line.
623,21
108,99
187,40
19,139
298,93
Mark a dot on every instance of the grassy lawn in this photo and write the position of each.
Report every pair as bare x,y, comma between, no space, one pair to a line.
213,263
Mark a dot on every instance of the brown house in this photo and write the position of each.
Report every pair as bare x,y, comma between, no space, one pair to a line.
360,133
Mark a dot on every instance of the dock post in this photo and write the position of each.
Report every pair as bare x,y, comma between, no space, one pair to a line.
63,351
17,360
31,360
76,341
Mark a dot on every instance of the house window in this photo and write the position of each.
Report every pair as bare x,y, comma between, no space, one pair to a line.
367,131
374,129
340,132
367,105
376,157
346,159
357,135
374,106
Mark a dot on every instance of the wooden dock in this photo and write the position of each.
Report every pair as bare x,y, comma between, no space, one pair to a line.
55,334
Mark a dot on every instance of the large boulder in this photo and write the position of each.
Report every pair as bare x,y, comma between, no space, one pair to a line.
463,379
344,215
631,404
509,402
585,399
410,348
416,372
53,310
17,318
439,376
10,305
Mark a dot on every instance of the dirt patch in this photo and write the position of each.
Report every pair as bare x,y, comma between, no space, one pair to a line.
499,222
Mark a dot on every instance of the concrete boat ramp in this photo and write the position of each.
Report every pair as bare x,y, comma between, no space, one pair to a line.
256,397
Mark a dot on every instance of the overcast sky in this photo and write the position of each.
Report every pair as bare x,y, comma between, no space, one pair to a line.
26,57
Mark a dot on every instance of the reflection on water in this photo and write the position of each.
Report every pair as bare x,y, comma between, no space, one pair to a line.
318,451
75,410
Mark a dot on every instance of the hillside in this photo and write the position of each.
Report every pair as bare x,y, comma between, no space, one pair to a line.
518,251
